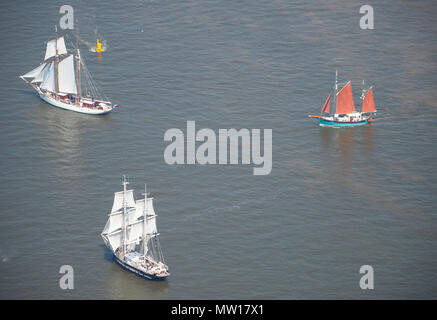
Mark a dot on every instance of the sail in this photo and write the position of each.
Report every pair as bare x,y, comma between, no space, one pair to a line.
35,72
150,218
115,222
48,83
106,228
67,77
52,45
149,208
115,239
139,211
325,108
345,100
118,200
150,215
150,211
368,102
40,77
134,233
151,225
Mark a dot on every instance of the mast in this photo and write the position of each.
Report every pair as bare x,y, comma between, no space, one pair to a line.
145,219
56,63
124,214
78,65
335,91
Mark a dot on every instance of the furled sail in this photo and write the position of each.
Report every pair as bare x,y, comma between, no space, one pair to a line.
67,76
118,200
368,102
345,100
48,83
327,104
35,72
52,45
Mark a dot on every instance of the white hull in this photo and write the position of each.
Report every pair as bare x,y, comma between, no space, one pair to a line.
73,107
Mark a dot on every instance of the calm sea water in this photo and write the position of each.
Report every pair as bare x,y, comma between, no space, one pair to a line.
336,198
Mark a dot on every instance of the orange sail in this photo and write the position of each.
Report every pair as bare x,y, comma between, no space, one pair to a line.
327,104
345,100
368,102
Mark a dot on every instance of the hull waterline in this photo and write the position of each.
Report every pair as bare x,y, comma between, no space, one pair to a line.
140,273
338,124
72,107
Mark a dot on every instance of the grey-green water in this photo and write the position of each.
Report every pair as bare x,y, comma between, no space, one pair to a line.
335,200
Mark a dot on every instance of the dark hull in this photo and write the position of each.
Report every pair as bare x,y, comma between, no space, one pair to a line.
139,272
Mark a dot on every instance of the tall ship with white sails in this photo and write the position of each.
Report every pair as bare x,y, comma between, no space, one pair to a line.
131,234
58,82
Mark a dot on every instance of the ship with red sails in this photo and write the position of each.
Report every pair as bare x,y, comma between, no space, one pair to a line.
343,112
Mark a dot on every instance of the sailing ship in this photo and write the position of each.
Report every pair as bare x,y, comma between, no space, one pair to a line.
131,234
344,113
58,83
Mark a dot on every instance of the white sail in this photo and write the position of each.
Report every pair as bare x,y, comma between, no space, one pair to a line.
35,72
52,45
114,222
106,228
150,215
151,225
114,240
133,212
139,210
67,76
39,77
135,233
118,200
48,83
149,209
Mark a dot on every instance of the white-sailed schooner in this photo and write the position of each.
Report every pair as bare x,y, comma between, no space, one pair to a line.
131,234
58,83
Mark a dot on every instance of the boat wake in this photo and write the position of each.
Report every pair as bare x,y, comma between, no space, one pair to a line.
92,46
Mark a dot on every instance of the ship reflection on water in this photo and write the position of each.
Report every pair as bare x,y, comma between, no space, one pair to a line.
346,143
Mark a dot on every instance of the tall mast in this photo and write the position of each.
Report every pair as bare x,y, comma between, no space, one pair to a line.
124,214
56,63
336,91
362,93
145,219
78,64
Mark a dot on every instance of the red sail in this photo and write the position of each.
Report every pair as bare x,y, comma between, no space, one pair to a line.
327,104
345,100
368,103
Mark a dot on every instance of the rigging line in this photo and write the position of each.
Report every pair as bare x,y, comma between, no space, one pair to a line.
90,84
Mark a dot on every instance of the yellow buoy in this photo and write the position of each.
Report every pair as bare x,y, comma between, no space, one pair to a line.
99,46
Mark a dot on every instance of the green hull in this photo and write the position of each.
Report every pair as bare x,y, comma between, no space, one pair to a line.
338,124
